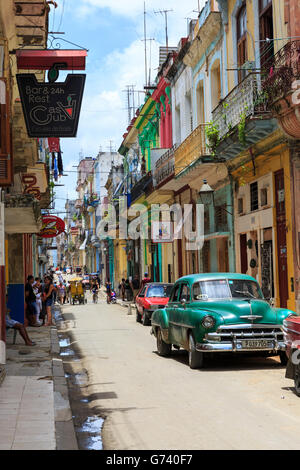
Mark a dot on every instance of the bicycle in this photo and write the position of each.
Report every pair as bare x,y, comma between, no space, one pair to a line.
95,297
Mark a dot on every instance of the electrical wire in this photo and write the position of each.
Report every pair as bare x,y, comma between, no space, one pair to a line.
62,14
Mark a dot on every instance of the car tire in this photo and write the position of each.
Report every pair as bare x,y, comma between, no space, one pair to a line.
283,358
297,379
196,358
163,349
145,320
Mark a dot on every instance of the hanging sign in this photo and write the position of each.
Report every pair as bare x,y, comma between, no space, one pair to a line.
51,109
52,226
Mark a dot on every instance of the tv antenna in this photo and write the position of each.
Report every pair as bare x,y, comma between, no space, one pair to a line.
165,12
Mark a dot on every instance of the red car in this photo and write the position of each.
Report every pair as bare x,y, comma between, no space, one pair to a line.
151,297
291,328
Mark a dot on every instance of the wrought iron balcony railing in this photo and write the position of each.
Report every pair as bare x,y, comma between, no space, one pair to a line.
281,71
193,147
164,167
244,101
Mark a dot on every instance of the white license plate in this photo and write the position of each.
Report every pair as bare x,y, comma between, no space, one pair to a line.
257,344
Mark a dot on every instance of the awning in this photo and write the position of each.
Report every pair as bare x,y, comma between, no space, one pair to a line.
28,59
82,247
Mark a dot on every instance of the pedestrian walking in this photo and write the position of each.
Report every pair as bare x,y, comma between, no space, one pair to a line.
128,289
61,290
108,291
122,289
135,286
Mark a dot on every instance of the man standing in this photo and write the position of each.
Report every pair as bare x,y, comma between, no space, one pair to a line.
30,300
146,280
135,285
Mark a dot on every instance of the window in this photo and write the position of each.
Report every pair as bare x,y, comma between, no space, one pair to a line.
242,55
142,293
265,31
185,293
254,196
264,197
159,291
215,84
240,205
221,218
174,295
200,103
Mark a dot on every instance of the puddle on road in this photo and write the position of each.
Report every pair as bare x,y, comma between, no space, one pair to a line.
89,434
64,343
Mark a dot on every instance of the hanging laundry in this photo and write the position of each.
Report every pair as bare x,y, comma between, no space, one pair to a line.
53,143
52,162
55,172
60,164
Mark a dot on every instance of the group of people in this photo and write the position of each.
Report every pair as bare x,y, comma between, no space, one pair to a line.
39,298
129,288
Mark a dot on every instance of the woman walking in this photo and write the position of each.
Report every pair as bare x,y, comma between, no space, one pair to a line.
48,299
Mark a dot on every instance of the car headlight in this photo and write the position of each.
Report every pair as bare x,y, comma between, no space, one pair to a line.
208,322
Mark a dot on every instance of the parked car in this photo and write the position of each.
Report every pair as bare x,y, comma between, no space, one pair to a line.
211,313
291,328
151,297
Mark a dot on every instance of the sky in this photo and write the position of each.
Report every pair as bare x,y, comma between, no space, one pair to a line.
112,31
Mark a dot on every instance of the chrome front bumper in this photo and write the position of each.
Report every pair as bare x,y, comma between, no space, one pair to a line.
236,338
236,346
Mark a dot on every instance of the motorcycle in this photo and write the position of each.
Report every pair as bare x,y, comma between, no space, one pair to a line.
113,298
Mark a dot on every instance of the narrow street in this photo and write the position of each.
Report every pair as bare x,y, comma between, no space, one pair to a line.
150,402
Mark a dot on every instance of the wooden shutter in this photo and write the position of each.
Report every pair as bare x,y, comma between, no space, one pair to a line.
6,173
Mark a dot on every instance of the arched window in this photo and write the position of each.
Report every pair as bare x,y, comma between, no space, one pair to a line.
215,84
242,40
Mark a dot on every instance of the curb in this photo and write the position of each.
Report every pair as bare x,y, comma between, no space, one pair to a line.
2,375
64,427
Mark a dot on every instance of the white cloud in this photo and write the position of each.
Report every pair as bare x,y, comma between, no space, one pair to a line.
103,115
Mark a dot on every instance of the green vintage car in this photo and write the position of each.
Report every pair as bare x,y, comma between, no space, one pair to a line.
215,312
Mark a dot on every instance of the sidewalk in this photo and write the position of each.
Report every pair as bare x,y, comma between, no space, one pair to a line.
34,404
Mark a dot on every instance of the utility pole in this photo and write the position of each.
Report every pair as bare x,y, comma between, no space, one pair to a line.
165,12
145,39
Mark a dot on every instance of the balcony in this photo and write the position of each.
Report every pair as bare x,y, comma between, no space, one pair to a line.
191,149
22,214
280,87
207,30
164,168
245,103
141,187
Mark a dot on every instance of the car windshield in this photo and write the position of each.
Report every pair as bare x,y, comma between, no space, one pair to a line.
159,291
227,289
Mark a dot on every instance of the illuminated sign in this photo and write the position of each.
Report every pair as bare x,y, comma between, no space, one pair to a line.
51,109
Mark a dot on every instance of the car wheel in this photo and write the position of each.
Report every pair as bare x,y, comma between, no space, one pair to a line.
297,380
163,348
283,358
145,319
196,358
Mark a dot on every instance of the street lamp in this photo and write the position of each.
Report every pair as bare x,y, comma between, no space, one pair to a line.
206,194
